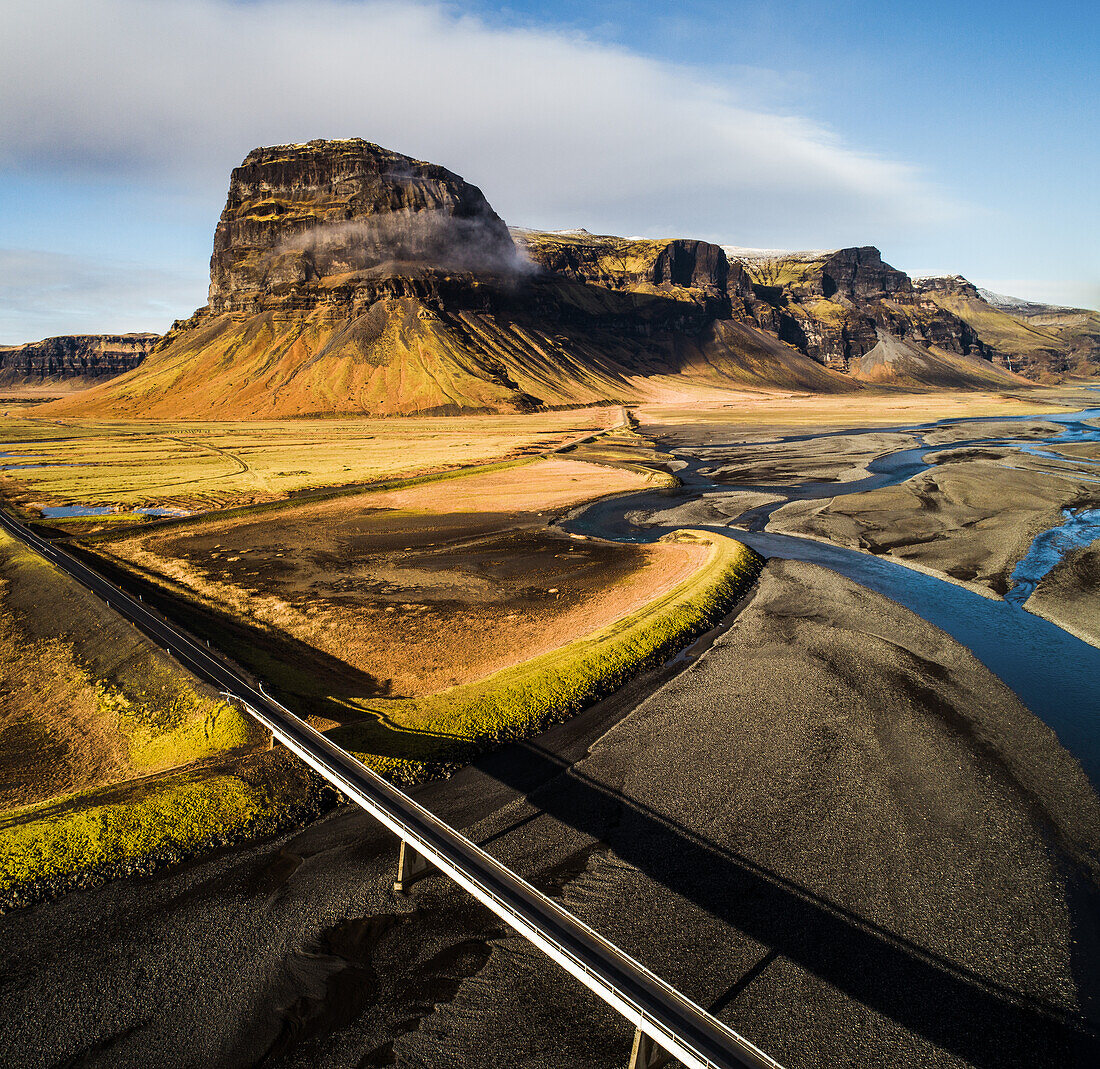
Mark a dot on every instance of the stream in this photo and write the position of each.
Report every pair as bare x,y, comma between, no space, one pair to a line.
1054,673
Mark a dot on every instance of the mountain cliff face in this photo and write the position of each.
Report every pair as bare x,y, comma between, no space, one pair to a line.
75,356
331,222
640,265
836,306
346,278
1044,342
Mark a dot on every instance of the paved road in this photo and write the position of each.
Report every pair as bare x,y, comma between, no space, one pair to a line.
676,1023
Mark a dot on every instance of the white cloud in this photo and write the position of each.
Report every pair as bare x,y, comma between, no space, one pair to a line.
556,129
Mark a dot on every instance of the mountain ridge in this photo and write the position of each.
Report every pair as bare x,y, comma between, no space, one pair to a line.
1047,343
74,356
349,279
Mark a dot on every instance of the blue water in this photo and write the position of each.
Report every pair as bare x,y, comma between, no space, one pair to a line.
1081,528
1055,674
21,457
60,512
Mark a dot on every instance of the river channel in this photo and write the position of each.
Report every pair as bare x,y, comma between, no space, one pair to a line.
1054,673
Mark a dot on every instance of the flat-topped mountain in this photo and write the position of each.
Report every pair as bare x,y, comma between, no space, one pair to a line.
350,279
853,274
331,221
346,278
74,356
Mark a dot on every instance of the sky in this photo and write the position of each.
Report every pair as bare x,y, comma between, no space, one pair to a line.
957,137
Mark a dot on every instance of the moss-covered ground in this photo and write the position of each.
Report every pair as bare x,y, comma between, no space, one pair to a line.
87,706
88,701
134,828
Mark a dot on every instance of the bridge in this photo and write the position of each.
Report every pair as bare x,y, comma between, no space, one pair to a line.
667,1023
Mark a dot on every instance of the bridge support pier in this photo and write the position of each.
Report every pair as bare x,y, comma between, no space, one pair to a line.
411,865
646,1053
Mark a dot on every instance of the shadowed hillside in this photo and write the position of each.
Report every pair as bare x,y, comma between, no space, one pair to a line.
851,311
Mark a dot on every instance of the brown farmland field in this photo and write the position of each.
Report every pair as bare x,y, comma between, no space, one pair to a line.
405,592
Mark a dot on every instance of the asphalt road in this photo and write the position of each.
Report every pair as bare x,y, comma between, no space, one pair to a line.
678,1024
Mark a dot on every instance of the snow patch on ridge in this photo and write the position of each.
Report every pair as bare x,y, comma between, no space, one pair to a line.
737,252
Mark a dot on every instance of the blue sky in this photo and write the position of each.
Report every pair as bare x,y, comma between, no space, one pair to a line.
956,137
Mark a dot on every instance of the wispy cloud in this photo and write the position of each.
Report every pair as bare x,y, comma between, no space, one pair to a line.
555,127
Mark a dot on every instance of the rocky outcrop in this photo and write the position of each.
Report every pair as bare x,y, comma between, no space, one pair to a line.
348,222
72,356
640,265
835,306
1045,343
856,274
933,286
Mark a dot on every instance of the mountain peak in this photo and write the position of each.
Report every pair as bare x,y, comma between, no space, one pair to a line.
302,219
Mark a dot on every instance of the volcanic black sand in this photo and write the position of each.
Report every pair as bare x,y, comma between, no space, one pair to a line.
833,458
972,516
836,828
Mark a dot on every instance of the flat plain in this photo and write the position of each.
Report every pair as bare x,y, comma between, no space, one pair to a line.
827,804
200,465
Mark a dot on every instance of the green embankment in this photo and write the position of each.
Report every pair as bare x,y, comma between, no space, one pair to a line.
86,691
81,843
99,734
454,724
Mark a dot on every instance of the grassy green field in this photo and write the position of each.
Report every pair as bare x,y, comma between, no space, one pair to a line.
195,465
88,701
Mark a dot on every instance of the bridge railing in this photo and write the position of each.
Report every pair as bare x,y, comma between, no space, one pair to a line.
741,1051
